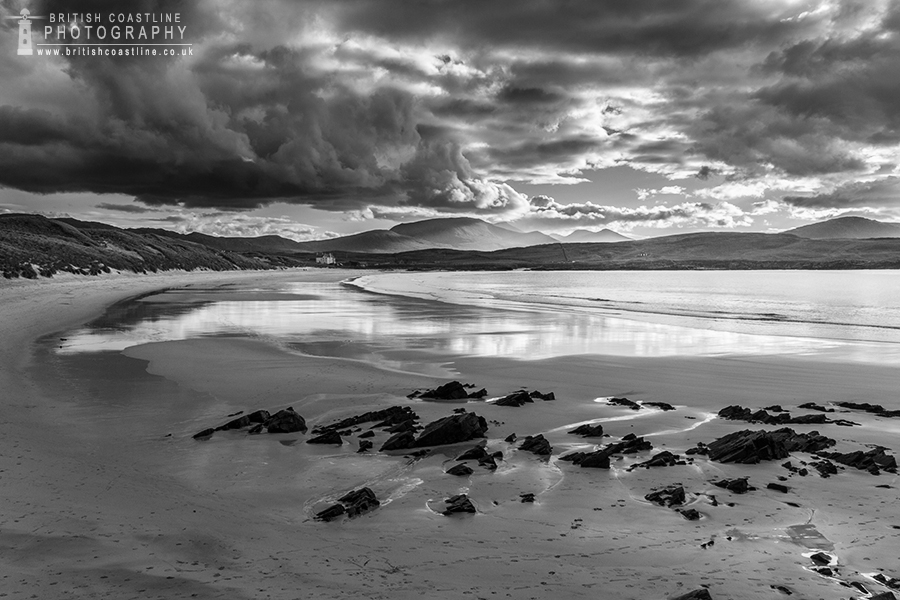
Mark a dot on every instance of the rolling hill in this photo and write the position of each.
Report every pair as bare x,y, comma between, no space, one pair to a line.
854,228
586,235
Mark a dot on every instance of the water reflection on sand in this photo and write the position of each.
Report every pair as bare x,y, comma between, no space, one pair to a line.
331,319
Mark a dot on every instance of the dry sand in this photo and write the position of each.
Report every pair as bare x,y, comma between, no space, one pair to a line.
115,499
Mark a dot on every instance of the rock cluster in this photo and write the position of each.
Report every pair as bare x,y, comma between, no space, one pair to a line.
536,444
459,503
453,390
673,495
876,409
739,413
739,485
663,459
386,417
751,447
523,397
351,504
624,402
599,459
283,421
459,427
588,430
701,594
874,461
664,406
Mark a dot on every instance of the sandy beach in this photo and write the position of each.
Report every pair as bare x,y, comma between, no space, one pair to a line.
107,494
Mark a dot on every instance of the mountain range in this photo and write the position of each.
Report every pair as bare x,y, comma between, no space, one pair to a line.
34,245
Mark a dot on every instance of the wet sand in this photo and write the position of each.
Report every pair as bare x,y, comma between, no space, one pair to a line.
108,495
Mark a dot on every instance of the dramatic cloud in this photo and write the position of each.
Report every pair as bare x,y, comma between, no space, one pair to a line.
394,109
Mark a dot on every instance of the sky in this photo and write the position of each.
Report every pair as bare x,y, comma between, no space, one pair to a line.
311,119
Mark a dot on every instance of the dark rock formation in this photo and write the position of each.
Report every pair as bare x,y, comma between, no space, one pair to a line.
701,594
891,582
876,409
824,467
814,406
751,447
820,558
739,413
408,425
205,434
660,405
874,461
526,498
387,417
774,408
453,390
460,470
546,397
663,459
285,421
329,437
399,441
588,430
449,391
332,512
452,430
359,501
488,462
670,496
536,444
519,398
459,504
629,445
473,453
367,434
691,514
511,438
625,402
364,445
883,596
778,487
739,485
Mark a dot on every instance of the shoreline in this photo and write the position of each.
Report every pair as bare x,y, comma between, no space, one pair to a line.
127,507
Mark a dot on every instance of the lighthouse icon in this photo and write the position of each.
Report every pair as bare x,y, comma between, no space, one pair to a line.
25,47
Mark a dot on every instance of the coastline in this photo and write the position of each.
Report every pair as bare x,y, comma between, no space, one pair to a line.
104,525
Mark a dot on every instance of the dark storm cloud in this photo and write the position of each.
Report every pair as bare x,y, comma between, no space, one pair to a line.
125,208
344,105
883,193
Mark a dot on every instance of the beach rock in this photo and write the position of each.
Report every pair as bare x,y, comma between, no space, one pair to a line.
329,437
452,430
778,487
670,496
883,596
473,453
820,558
825,468
332,512
367,434
663,459
408,425
814,406
238,423
700,448
259,416
546,397
528,498
739,413
488,462
399,441
863,406
479,394
459,504
511,438
665,406
387,417
890,582
751,447
364,445
256,429
739,485
700,594
460,470
285,421
774,408
449,391
588,430
519,398
629,445
359,501
205,434
624,402
873,461
691,514
536,444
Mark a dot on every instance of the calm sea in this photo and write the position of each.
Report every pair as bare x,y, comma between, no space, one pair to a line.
841,315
